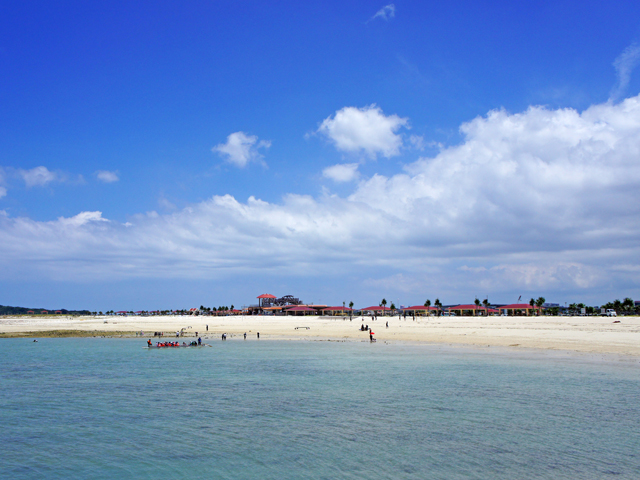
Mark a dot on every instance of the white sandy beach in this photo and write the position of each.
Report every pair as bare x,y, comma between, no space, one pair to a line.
583,334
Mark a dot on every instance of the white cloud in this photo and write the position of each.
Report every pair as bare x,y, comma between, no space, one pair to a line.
107,176
535,201
624,65
366,129
240,149
3,192
417,142
38,176
387,12
82,219
344,172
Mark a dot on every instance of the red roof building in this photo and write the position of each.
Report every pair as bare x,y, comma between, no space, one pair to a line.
475,309
421,308
519,307
265,296
301,310
377,310
337,310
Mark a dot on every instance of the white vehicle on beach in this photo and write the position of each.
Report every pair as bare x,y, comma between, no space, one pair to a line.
611,313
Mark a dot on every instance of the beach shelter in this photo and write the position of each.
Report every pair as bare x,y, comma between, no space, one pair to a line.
471,308
300,310
265,296
337,310
519,307
420,310
376,310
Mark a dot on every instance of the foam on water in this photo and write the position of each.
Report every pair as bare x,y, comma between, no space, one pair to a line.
107,408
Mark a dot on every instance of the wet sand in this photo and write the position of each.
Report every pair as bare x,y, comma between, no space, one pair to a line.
583,334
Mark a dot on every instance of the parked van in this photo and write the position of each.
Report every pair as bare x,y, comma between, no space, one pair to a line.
611,313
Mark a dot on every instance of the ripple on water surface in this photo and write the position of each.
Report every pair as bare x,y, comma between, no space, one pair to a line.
107,408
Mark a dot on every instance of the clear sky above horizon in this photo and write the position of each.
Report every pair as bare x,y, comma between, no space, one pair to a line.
175,154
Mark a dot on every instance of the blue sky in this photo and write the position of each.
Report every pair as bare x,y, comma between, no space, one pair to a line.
183,153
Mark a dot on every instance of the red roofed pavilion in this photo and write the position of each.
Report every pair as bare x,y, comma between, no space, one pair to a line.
301,310
378,310
514,307
420,308
470,307
265,296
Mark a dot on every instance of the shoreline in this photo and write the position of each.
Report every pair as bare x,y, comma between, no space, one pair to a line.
596,335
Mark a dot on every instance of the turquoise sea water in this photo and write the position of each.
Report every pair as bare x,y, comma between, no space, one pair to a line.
107,408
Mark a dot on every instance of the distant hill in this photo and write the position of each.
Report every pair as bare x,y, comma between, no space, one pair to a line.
5,310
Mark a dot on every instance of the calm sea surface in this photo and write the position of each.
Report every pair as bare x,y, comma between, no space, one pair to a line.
107,408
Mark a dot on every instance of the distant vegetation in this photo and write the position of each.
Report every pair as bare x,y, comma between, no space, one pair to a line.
5,310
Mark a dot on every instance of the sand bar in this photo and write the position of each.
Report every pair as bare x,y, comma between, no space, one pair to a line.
583,334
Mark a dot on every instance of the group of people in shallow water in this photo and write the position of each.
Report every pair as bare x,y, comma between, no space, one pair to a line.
184,344
175,344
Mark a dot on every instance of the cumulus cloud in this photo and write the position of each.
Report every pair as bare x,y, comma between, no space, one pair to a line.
385,13
82,219
107,176
38,176
240,149
534,201
624,65
366,130
344,172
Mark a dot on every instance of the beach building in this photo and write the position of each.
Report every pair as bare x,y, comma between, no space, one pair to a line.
272,305
376,310
468,309
301,310
421,310
519,309
337,311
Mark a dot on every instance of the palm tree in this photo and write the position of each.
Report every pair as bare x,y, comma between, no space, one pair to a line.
485,303
477,302
350,311
627,304
428,304
539,302
532,302
438,304
384,304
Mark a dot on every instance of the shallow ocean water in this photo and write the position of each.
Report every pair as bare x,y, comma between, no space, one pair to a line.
107,408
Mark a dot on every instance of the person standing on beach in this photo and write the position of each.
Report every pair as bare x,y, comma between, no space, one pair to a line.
207,327
245,335
258,334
